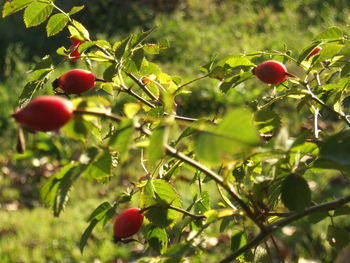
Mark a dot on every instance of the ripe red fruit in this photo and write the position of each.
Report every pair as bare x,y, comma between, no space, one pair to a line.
45,113
315,51
128,223
271,72
75,81
74,49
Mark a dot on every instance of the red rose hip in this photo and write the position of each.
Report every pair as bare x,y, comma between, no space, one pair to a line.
271,72
315,51
75,81
127,223
74,49
45,113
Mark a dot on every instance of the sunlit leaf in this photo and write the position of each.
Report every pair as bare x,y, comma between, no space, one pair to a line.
56,24
235,134
36,13
11,7
160,193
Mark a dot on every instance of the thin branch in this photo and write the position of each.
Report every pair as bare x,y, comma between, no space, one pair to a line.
279,214
107,115
142,86
190,82
138,97
143,162
186,212
341,115
172,151
268,252
277,225
316,130
277,249
201,217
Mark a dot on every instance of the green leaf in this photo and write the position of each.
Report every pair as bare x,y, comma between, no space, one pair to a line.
306,50
328,52
152,49
238,239
78,128
235,134
156,150
179,251
157,239
336,148
100,168
55,190
159,192
36,13
28,91
14,6
84,46
76,9
342,211
110,72
79,31
330,33
142,36
121,46
187,132
121,139
225,67
137,58
87,234
234,81
46,63
100,211
317,217
296,194
203,204
56,24
337,237
269,122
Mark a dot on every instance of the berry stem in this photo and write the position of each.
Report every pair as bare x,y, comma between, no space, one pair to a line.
291,75
176,209
100,80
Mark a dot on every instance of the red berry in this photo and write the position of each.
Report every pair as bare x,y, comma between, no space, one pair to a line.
128,223
45,113
315,51
271,72
74,48
76,42
75,81
74,53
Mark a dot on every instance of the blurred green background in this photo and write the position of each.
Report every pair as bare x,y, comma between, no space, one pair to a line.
197,31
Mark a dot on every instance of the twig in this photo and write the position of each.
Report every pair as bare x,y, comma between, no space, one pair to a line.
341,115
189,82
279,214
268,252
201,217
111,116
277,249
172,151
316,130
275,226
138,97
142,86
186,212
